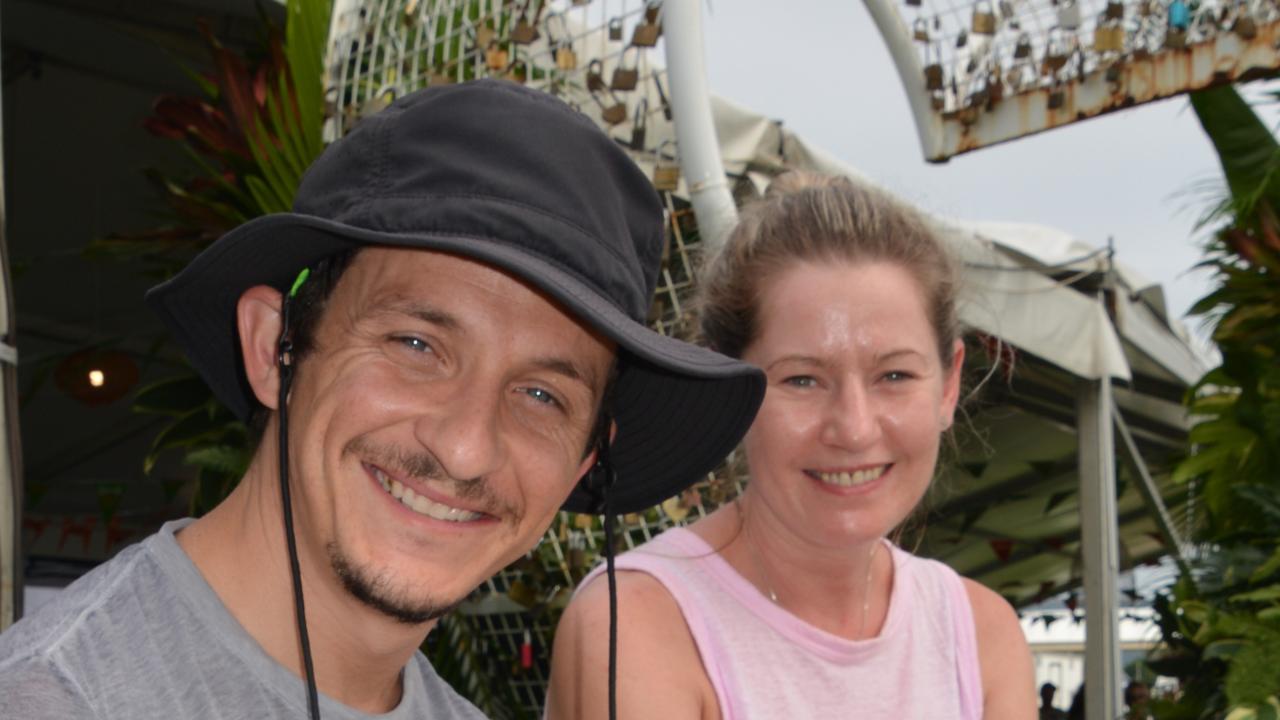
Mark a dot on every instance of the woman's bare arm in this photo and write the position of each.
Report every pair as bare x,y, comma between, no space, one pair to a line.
1008,679
659,670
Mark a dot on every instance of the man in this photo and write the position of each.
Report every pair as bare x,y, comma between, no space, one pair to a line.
466,340
1047,710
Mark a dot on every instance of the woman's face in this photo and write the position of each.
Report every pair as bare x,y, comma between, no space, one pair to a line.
847,439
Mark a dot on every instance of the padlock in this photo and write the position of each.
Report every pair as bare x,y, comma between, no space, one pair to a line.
962,39
438,78
1179,17
1069,15
518,72
984,20
1006,9
639,124
1108,38
485,35
615,29
1057,98
1245,26
1175,39
662,96
977,94
933,76
920,30
612,114
647,31
1056,51
496,57
937,101
558,37
595,76
626,77
1115,10
1022,48
666,173
525,32
995,87
1114,72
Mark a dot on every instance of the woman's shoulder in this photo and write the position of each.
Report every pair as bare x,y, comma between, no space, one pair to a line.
655,649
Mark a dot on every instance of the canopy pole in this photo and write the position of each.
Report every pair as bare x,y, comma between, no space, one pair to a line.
1150,493
10,450
1099,531
700,160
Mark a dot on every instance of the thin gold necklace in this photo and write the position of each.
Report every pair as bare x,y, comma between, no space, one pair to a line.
768,585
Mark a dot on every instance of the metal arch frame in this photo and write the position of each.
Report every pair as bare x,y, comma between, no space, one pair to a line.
1224,57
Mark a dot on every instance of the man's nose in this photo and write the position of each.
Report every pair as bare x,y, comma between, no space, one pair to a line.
463,432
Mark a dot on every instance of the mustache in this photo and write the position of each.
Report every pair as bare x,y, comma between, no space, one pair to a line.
422,465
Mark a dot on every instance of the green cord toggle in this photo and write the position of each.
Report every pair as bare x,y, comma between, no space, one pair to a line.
302,277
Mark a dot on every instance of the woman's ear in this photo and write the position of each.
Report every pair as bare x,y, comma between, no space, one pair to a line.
258,319
951,385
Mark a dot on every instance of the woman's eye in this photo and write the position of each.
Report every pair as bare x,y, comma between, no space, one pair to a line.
801,381
897,376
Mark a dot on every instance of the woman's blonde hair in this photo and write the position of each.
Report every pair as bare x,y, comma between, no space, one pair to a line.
809,217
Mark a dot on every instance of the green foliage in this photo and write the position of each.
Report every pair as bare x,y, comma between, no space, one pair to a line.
1220,627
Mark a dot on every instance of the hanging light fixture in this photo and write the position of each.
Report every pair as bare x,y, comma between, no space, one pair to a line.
96,377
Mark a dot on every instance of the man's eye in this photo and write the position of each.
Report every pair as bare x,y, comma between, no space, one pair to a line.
415,344
542,396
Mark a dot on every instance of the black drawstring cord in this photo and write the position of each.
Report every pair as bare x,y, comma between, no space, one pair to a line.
606,479
284,362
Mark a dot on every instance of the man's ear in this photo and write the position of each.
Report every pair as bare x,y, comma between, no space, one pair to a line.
258,319
589,461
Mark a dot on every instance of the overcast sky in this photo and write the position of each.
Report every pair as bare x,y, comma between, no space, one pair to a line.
821,67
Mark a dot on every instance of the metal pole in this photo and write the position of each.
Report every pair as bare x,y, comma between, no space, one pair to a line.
1150,492
695,127
1099,540
10,450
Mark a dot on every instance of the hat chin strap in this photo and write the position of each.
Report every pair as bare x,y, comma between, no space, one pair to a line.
603,483
284,362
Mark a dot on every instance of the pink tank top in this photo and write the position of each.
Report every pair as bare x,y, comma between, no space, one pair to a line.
764,662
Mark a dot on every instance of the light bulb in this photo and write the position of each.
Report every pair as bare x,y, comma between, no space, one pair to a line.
97,378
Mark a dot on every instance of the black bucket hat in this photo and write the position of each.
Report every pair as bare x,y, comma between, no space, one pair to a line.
518,180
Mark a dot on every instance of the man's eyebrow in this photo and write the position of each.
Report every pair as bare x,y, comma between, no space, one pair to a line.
568,369
425,313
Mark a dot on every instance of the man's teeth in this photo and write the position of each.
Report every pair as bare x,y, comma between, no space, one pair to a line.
421,504
849,479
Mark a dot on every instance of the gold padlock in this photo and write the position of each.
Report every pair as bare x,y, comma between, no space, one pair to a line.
485,35
627,77
1106,39
920,30
562,41
666,173
984,20
496,58
1175,39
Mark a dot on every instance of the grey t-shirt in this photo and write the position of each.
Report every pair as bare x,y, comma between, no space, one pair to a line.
144,636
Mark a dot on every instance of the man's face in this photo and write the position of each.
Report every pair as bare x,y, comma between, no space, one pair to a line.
437,426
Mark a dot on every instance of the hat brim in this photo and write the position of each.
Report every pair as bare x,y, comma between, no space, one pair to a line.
679,408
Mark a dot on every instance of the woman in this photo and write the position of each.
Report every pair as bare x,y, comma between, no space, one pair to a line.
790,602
